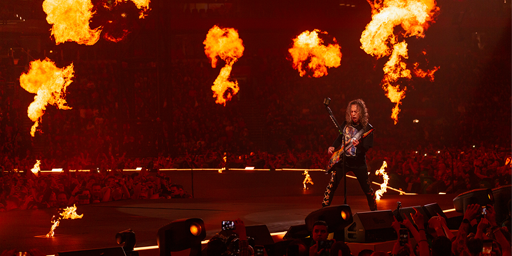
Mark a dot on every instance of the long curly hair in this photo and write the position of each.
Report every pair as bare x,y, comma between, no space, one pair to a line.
363,112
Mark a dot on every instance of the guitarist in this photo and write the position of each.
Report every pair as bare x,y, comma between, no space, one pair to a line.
356,118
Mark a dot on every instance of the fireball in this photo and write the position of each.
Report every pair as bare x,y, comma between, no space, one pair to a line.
309,53
412,17
70,21
225,44
49,83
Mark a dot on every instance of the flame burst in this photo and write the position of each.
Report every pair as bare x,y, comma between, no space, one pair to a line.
307,179
383,186
142,5
49,83
70,20
308,46
55,224
421,73
378,39
225,44
36,167
225,159
67,213
114,39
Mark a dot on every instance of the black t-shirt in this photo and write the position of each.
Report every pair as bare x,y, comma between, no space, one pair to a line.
355,156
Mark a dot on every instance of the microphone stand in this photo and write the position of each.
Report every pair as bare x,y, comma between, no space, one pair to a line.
327,101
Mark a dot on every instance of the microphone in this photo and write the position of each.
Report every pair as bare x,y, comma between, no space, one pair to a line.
327,101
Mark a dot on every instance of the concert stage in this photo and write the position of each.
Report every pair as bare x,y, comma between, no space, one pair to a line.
25,230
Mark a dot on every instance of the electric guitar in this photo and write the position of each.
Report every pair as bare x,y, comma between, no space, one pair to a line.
338,155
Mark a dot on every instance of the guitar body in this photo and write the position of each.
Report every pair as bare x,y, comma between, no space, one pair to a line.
335,158
338,155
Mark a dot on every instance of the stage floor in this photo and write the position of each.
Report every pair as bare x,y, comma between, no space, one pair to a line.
25,230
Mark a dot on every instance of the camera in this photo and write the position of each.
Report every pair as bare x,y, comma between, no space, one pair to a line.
325,244
228,225
404,236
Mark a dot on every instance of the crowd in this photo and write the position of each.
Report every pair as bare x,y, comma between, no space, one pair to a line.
478,234
114,126
31,191
160,113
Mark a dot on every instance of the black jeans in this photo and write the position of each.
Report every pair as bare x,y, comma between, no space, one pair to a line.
337,176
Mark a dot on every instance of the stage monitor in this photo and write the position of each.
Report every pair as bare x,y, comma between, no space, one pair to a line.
502,196
405,213
371,227
482,196
260,233
297,232
433,209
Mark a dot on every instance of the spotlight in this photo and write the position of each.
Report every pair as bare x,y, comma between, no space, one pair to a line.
344,215
180,235
195,230
126,239
337,217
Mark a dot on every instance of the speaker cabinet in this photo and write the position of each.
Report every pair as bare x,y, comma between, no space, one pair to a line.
480,196
370,227
502,196
260,233
406,212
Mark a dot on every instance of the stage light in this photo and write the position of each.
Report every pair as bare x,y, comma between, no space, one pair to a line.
336,217
195,230
180,235
415,121
344,215
126,239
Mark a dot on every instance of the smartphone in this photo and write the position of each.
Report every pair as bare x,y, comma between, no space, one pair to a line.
324,244
487,249
404,236
228,225
484,210
259,250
